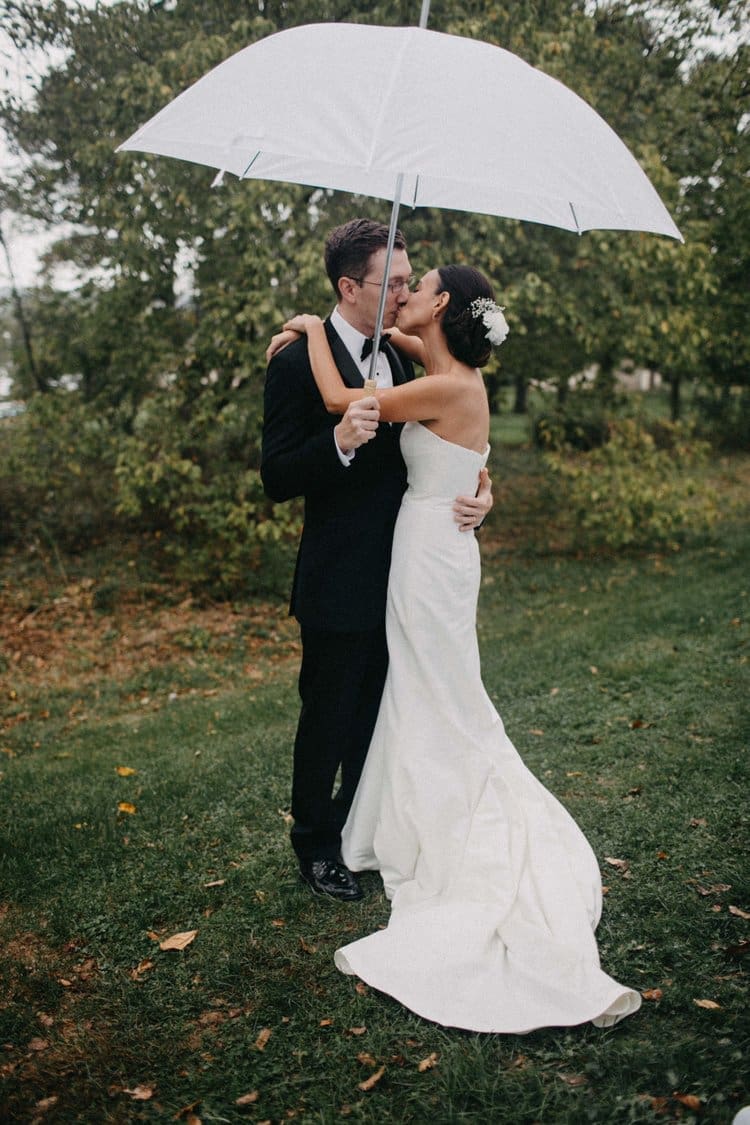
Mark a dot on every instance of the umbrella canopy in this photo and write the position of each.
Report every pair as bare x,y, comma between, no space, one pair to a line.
403,112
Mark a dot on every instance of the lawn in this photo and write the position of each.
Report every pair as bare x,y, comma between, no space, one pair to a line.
144,781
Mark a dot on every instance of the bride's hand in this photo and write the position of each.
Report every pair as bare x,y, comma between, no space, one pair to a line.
280,341
302,323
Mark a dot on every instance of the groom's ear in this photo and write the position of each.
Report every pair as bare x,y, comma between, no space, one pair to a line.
347,289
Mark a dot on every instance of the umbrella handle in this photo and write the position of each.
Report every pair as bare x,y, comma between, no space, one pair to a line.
371,385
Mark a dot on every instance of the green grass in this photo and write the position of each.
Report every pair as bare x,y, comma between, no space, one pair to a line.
624,684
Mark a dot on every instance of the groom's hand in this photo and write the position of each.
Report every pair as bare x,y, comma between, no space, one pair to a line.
469,512
359,425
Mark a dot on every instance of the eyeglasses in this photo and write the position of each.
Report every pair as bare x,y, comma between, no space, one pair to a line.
391,286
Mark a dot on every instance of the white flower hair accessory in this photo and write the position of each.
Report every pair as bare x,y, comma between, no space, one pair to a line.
492,318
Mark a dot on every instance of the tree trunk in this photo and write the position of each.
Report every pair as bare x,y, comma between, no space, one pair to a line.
22,323
521,401
674,397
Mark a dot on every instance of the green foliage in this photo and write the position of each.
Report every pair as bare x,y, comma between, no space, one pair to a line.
581,421
186,473
724,416
635,492
57,464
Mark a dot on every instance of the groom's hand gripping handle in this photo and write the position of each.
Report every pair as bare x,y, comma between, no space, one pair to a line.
358,425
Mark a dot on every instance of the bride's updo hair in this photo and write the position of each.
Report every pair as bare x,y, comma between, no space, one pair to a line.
465,335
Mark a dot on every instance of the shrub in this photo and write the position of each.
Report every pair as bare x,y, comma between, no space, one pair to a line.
634,493
187,474
724,416
57,463
582,421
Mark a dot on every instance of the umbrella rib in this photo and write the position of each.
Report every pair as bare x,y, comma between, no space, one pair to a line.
250,165
416,190
575,218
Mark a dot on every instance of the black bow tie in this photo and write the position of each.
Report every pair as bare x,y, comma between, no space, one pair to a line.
367,346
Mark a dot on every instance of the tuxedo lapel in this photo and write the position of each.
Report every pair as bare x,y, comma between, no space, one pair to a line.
349,371
397,367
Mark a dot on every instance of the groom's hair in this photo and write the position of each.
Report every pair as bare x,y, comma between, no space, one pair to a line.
349,247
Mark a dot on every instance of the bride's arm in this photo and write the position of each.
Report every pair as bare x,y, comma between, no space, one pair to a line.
418,401
411,346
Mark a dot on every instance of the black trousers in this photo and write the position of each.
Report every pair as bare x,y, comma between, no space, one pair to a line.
340,684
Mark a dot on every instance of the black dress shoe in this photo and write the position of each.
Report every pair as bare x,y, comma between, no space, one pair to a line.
329,877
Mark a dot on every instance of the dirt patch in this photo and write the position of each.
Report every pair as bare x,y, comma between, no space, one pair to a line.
64,641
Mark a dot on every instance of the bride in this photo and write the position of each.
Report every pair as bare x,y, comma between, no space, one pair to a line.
495,892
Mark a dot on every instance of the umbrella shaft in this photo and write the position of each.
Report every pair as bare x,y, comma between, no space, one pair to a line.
386,273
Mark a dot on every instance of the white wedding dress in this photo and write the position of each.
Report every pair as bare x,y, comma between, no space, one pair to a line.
495,892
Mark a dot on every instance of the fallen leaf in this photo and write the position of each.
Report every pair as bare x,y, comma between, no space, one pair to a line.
698,822
638,724
539,733
739,913
573,1079
37,1044
326,1023
360,988
263,1036
44,1019
366,1059
662,855
141,968
652,994
620,864
520,1062
660,1105
372,1080
711,1004
141,1093
357,1030
428,1063
715,889
306,947
46,1103
125,771
574,773
178,941
247,1099
215,883
279,923
688,1100
126,807
594,670
187,1113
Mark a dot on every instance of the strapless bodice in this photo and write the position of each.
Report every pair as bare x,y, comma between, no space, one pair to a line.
438,469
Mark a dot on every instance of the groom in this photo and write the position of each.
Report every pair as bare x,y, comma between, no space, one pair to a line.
352,477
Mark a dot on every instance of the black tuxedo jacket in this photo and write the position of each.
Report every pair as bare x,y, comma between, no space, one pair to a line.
341,577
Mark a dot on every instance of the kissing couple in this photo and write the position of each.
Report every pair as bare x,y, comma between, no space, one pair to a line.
495,892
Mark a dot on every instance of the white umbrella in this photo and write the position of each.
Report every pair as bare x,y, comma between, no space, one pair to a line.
412,115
